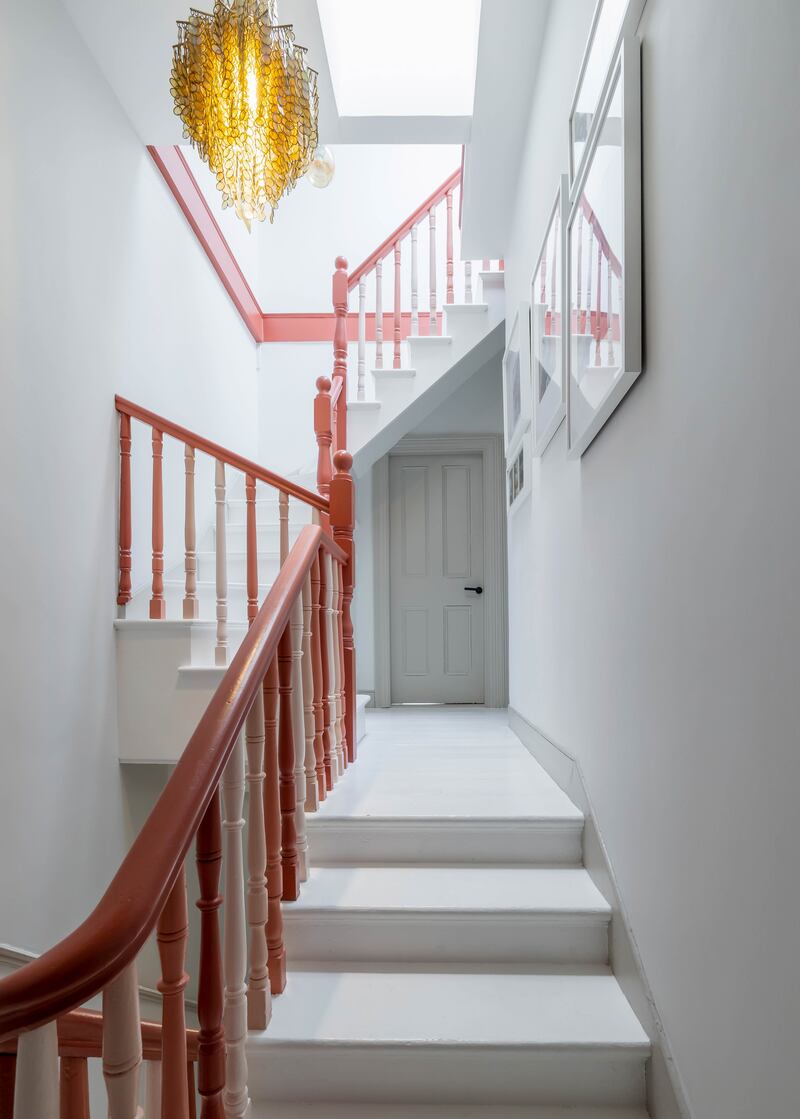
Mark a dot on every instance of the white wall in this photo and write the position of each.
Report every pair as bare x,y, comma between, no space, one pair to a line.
103,289
654,609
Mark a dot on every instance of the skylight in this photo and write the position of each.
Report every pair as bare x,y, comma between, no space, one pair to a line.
411,59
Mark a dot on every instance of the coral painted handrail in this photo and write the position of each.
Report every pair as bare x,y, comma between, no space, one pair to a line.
383,250
100,949
230,458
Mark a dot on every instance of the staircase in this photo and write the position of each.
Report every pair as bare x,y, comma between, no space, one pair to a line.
449,954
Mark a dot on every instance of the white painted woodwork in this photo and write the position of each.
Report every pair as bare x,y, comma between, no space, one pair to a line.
362,338
122,1044
312,789
432,271
283,515
299,736
36,1088
152,1090
191,605
258,993
221,650
436,552
235,1098
337,766
379,315
338,667
468,281
414,282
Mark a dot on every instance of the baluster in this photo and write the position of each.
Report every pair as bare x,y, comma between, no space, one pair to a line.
153,1096
587,322
450,292
252,549
467,281
299,738
597,331
487,264
192,1090
283,517
172,931
336,619
158,607
330,695
397,305
610,319
362,338
322,431
235,1095
310,766
191,607
343,523
578,271
211,1045
8,1074
501,264
272,813
124,590
36,1088
316,650
288,796
122,1044
74,1088
543,279
340,301
221,650
259,1008
379,315
328,749
554,277
414,283
432,270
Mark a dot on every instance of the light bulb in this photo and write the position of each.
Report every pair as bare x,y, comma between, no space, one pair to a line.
322,167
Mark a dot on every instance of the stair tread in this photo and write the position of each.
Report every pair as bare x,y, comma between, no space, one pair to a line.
501,890
550,1012
438,1111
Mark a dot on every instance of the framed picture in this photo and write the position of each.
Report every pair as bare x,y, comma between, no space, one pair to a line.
548,299
611,19
604,259
517,377
518,473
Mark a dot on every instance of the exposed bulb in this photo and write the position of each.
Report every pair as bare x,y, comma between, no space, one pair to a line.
322,167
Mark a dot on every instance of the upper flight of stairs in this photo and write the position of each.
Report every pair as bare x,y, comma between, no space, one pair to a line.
449,952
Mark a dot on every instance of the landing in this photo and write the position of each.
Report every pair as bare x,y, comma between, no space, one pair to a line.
460,762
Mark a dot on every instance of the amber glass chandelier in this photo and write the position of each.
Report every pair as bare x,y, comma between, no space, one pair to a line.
247,100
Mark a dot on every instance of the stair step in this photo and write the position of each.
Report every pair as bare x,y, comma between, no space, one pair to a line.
431,341
435,1111
390,375
466,308
363,405
451,915
363,1037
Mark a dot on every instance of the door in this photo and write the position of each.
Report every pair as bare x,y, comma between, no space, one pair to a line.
436,578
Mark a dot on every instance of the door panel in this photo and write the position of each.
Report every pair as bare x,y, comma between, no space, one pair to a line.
436,551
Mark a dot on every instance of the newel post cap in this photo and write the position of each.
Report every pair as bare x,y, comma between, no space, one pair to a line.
323,384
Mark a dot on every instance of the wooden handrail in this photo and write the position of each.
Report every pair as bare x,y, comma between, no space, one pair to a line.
230,458
402,230
82,964
80,1034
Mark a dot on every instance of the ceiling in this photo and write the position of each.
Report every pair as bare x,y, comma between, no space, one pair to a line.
131,43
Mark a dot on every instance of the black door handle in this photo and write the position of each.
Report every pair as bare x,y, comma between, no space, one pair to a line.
478,590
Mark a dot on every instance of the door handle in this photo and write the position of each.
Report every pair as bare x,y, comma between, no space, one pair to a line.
478,590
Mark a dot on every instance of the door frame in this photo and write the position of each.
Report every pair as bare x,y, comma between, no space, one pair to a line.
489,447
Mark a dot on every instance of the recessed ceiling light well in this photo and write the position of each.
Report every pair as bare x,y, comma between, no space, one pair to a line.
409,60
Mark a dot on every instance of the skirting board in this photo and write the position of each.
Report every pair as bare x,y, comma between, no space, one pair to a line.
666,1097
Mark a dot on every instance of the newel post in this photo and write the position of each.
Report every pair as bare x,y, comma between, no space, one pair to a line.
342,523
324,437
340,301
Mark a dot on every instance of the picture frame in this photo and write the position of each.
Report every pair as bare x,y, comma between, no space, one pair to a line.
517,378
604,248
518,473
548,300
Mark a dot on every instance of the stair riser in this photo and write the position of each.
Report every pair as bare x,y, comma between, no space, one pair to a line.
207,602
268,537
440,1074
382,842
268,566
444,939
267,512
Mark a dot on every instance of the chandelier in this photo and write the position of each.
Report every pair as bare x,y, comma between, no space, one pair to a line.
247,100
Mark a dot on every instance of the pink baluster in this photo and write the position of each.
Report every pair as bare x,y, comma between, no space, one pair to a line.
340,299
379,314
432,270
587,322
252,549
397,309
597,326
610,319
158,606
578,272
450,292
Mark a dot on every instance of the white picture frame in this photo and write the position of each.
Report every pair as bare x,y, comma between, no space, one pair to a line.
517,377
548,300
604,240
519,464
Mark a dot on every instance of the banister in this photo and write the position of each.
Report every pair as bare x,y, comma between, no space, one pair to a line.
84,962
221,454
402,230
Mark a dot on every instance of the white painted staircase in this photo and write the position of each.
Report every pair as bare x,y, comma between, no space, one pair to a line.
450,953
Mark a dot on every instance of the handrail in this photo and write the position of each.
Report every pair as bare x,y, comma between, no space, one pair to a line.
94,954
402,230
608,252
80,1034
230,458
